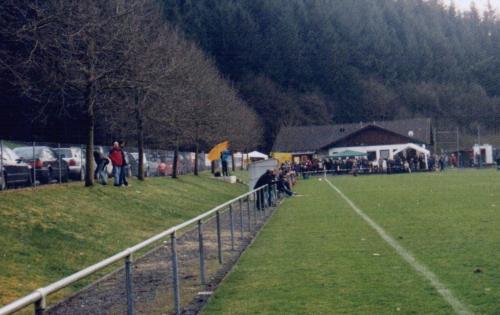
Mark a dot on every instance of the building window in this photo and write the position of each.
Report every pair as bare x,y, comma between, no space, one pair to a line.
371,155
342,130
384,154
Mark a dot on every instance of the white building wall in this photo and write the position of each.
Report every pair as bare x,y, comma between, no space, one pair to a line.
375,148
488,150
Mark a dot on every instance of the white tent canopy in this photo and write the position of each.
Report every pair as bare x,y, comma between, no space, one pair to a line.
257,155
418,149
414,147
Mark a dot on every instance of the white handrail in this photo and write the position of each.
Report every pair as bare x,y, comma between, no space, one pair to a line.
42,293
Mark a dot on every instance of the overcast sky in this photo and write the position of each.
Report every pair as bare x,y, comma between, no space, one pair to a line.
480,4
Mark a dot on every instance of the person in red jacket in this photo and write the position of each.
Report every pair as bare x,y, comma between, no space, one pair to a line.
116,157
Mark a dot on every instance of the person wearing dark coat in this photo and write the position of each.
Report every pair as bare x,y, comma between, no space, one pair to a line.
266,179
125,166
100,171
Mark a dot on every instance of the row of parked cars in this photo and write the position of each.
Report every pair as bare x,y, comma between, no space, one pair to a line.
23,166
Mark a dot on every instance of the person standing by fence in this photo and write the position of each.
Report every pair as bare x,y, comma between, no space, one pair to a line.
225,156
116,157
266,179
125,166
100,170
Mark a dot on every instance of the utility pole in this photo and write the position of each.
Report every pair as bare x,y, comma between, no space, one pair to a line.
458,148
480,160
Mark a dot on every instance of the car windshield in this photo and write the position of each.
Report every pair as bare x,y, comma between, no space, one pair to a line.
64,151
9,155
27,152
43,153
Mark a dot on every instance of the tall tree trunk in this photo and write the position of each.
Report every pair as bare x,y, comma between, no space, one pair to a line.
89,155
212,167
196,157
242,159
140,138
233,164
176,158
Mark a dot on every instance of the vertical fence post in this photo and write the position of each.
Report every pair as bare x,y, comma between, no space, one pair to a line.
249,214
1,167
255,207
60,162
33,166
175,274
255,202
241,218
40,306
202,252
265,202
231,225
82,172
128,285
275,188
219,240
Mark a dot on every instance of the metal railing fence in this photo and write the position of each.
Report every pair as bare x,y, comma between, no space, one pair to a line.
241,214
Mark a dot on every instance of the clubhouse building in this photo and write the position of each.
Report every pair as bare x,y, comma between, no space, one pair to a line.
375,140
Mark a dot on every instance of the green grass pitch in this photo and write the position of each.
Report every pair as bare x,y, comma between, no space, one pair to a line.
317,256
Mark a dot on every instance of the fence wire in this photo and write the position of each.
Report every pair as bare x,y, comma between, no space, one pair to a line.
31,164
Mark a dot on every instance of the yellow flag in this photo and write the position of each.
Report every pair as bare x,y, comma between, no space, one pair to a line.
214,154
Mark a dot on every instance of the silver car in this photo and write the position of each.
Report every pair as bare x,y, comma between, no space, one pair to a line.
75,159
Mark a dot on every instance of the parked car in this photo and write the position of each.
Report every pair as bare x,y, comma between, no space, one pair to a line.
133,160
45,164
13,171
76,161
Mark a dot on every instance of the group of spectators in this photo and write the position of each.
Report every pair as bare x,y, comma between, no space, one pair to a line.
361,165
118,159
281,179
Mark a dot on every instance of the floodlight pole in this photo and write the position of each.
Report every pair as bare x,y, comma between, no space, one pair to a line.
458,148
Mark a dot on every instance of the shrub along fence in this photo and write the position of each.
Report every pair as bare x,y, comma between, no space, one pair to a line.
176,276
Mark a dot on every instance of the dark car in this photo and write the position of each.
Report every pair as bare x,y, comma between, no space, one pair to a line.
46,165
13,172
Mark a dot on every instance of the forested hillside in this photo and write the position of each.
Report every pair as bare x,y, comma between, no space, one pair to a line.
322,61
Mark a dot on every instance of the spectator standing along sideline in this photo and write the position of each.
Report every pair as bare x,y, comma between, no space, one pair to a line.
116,157
125,165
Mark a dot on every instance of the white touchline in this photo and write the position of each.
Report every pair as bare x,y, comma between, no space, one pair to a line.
458,306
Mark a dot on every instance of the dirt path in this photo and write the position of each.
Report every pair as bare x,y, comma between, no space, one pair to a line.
152,273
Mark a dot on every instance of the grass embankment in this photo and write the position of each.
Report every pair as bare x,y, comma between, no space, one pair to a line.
316,256
53,231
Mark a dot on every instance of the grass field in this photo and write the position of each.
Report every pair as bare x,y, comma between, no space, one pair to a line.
317,256
55,230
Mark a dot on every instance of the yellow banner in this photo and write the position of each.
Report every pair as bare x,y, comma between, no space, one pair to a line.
214,154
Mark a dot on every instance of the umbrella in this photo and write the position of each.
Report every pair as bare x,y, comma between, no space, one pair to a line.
214,154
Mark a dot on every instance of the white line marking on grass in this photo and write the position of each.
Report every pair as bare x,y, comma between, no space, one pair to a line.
458,306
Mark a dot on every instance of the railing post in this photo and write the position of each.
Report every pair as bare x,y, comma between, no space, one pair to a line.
40,306
1,166
249,214
60,163
231,225
219,240
275,189
175,271
82,178
241,218
128,284
202,252
255,194
33,166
